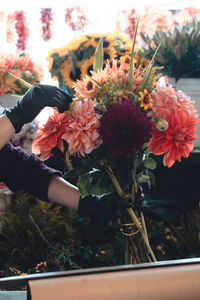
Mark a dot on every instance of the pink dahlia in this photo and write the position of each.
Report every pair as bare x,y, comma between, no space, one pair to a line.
82,133
50,135
177,140
124,128
166,98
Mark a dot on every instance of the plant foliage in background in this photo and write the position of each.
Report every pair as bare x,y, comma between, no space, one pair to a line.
53,238
33,231
179,51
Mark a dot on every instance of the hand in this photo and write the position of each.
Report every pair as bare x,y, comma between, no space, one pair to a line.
101,208
35,99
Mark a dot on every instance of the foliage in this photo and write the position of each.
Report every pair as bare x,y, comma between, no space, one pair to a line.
58,237
55,235
179,51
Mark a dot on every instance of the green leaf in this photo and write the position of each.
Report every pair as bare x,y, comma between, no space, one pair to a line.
84,185
149,163
143,179
95,182
130,74
98,59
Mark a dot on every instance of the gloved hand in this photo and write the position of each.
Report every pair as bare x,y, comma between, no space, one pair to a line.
103,208
35,99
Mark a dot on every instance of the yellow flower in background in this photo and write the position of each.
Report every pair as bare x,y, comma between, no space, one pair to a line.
87,67
81,51
141,61
91,42
69,75
109,54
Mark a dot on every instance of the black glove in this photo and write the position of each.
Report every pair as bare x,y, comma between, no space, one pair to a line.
101,208
35,99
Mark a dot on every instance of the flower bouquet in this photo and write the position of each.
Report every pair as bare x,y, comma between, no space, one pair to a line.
119,115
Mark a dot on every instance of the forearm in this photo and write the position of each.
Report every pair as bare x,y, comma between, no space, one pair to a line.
63,192
20,171
6,130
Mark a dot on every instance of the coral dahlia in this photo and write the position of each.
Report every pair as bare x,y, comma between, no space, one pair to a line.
82,133
49,136
177,140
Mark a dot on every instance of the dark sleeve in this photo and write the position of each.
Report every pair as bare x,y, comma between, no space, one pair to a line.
21,171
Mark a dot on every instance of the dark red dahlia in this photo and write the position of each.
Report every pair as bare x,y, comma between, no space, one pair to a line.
125,128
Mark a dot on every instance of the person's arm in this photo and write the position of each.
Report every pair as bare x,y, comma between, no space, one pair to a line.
30,105
6,130
63,192
20,171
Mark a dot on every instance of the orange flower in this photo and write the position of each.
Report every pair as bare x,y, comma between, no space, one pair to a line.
82,133
50,135
177,140
145,98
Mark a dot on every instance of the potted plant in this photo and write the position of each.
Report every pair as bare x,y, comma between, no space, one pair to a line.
179,54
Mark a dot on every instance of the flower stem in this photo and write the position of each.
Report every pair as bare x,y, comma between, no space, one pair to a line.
132,214
135,219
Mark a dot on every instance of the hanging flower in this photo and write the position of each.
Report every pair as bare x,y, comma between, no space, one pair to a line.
22,30
1,16
9,33
50,135
76,18
47,20
124,128
82,133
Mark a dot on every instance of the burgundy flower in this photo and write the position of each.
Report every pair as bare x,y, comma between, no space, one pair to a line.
124,128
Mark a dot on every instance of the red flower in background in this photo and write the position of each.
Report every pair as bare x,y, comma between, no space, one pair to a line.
22,30
47,20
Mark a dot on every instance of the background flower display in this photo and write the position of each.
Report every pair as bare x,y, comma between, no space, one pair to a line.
76,18
47,20
75,60
153,19
179,51
21,29
119,115
25,137
21,66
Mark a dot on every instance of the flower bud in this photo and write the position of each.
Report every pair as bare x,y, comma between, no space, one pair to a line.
99,109
162,125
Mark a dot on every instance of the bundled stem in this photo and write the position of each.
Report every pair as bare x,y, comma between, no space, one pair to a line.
133,216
